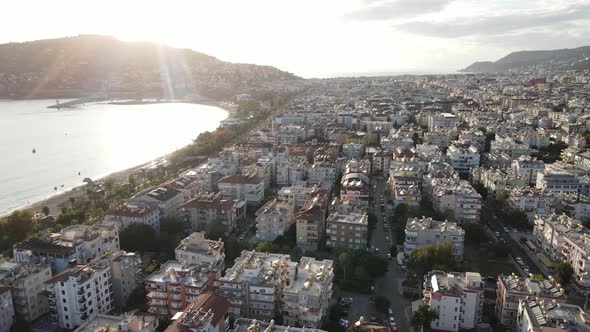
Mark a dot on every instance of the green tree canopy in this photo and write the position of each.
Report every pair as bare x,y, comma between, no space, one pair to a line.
138,238
565,273
422,318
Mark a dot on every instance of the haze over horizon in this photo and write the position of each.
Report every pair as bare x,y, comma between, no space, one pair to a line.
320,38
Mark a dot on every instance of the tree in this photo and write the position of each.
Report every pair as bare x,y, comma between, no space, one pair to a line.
344,259
138,237
424,259
15,228
215,230
422,318
45,210
263,246
565,273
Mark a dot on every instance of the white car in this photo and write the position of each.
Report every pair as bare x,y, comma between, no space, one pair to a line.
390,312
506,229
391,320
387,239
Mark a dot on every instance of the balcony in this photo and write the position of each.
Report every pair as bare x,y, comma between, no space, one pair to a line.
82,299
80,291
84,317
51,295
83,308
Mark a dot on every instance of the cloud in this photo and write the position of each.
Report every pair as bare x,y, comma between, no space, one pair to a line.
498,24
395,9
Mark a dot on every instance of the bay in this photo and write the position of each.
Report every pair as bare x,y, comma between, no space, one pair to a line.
94,140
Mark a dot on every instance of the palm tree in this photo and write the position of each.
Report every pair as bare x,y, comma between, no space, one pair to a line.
422,318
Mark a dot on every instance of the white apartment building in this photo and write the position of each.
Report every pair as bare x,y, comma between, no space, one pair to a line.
254,325
6,309
512,288
457,296
137,322
176,285
306,297
508,146
273,220
80,293
254,284
195,249
323,172
298,195
127,214
27,281
528,168
242,187
558,182
82,243
456,198
576,250
549,232
533,202
165,198
462,158
426,231
124,276
347,230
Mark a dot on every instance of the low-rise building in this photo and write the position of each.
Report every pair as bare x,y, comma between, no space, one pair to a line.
426,231
513,288
81,243
273,220
6,309
546,316
208,313
176,285
195,249
347,230
458,297
127,214
249,188
27,282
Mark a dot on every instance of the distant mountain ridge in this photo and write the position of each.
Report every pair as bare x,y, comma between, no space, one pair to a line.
93,64
568,58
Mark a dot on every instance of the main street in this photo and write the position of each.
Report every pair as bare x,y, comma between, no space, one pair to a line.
390,285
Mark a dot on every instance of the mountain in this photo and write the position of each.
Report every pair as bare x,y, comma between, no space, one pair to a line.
90,65
574,58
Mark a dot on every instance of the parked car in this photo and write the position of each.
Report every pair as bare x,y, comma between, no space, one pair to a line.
392,321
497,234
389,257
390,311
387,239
506,229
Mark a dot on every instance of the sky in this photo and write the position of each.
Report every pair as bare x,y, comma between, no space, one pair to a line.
318,38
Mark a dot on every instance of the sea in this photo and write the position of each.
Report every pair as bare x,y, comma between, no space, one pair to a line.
45,151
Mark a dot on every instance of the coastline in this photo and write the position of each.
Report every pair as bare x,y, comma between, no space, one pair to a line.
57,200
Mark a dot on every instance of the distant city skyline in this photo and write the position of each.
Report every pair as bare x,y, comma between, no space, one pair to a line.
319,38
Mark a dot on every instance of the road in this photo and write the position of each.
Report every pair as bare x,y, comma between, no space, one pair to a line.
511,239
390,285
